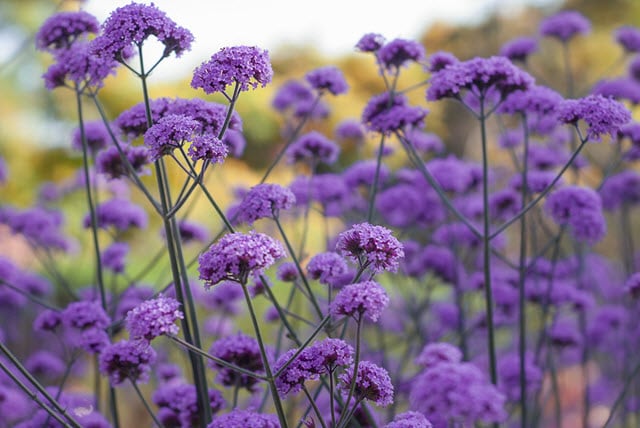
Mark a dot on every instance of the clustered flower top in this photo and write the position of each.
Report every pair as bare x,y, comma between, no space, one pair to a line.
400,52
371,245
564,25
236,255
409,419
386,113
370,42
326,267
119,213
131,25
247,66
581,209
520,48
329,78
245,418
126,360
601,114
629,38
178,403
61,30
168,134
478,75
263,201
79,66
363,299
241,350
372,383
96,136
537,99
313,147
153,318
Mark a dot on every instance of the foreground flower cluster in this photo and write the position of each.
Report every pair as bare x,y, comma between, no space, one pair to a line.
447,291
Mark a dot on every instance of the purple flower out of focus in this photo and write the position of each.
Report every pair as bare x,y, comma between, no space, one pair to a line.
580,208
126,360
371,245
245,419
113,257
241,350
564,25
153,318
61,30
79,66
409,419
370,42
132,24
178,404
329,78
621,189
326,267
313,147
534,100
509,374
602,115
399,52
40,226
478,75
264,201
242,65
519,48
438,352
372,383
621,88
385,113
119,213
96,135
629,38
441,60
362,299
110,162
236,255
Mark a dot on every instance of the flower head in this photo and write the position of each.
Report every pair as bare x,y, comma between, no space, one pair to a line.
441,60
96,136
132,24
119,213
313,147
178,403
236,255
264,200
371,245
372,383
113,257
244,65
109,161
153,318
241,350
370,42
362,299
564,25
61,30
168,134
629,38
126,360
399,52
329,79
246,419
79,68
580,208
602,115
519,48
409,419
326,267
385,114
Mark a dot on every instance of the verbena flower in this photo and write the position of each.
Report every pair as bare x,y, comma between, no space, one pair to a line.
632,285
126,360
96,136
131,297
153,318
621,88
534,100
372,383
386,113
313,147
478,75
633,68
264,201
565,25
326,267
409,419
621,189
519,48
178,404
45,364
372,246
41,226
132,24
454,174
61,30
406,205
399,52
110,163
287,272
440,60
363,173
581,209
113,257
245,418
236,255
509,375
168,134
78,67
363,299
370,42
629,38
350,129
602,115
297,97
424,142
329,78
223,298
436,353
191,231
241,350
245,65
119,213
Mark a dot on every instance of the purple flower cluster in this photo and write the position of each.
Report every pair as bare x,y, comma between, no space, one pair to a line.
409,419
111,163
399,52
126,360
371,245
520,48
264,201
372,383
236,255
245,419
629,38
313,147
114,256
581,209
386,113
178,404
120,214
328,79
362,299
153,318
241,65
327,267
61,30
244,352
565,25
602,115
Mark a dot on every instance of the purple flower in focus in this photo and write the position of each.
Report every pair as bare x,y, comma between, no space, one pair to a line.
245,419
153,318
132,24
242,65
241,350
602,115
629,38
313,147
372,383
126,360
61,30
385,114
113,257
371,245
399,52
363,299
326,267
329,78
236,255
409,419
519,48
370,42
264,201
119,213
564,25
168,134
209,148
478,75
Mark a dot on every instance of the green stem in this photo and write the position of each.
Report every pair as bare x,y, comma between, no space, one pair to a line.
315,406
352,388
146,404
376,178
522,326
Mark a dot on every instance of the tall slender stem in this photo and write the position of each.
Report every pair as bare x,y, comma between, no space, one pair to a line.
522,325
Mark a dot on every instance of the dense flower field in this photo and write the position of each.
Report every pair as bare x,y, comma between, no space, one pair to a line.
447,291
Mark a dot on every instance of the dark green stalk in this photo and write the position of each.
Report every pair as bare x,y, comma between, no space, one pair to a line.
356,362
146,404
315,406
376,178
